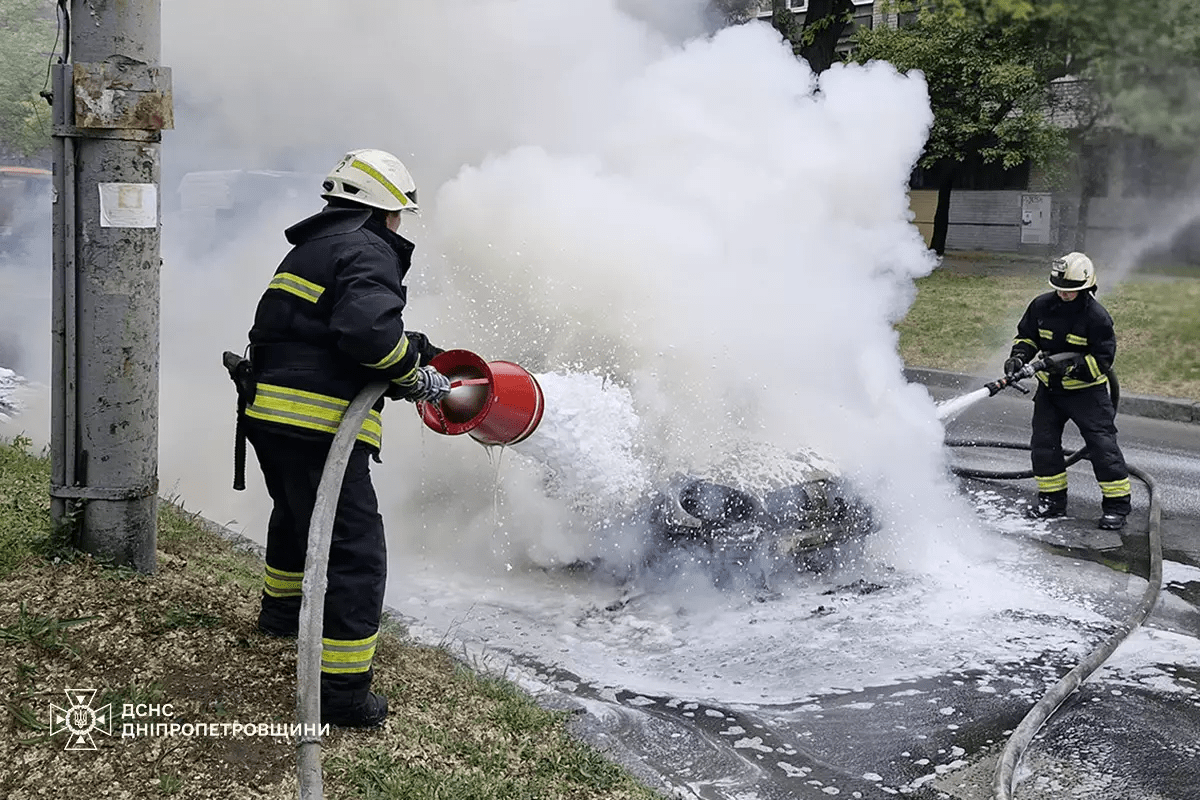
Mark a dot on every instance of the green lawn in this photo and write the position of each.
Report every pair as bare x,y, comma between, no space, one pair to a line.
185,637
963,321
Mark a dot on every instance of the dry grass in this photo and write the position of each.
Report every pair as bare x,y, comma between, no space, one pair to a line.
186,637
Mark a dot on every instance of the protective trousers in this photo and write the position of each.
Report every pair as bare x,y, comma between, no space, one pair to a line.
357,572
1092,412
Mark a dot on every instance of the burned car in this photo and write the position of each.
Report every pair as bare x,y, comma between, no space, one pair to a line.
756,513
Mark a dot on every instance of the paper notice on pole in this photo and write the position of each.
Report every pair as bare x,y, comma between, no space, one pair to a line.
128,205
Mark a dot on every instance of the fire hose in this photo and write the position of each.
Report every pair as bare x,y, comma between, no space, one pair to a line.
316,579
1004,782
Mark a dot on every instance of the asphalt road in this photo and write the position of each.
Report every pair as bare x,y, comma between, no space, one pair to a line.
1168,451
1130,733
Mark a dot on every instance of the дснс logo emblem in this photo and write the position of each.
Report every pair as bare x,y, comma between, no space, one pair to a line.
79,719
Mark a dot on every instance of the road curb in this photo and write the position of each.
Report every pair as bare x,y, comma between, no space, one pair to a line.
1134,405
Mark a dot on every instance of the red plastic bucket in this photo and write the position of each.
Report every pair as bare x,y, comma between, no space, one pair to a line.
495,402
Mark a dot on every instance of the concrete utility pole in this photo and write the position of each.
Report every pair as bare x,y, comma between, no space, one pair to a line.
111,102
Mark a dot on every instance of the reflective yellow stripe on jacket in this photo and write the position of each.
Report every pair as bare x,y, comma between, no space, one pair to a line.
393,358
1073,383
294,284
315,412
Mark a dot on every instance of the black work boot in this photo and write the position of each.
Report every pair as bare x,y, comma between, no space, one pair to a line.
348,702
1048,506
1111,521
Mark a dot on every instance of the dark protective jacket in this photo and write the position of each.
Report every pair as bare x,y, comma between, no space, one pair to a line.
330,322
1081,326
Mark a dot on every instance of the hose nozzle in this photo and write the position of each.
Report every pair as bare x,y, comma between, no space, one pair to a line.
999,385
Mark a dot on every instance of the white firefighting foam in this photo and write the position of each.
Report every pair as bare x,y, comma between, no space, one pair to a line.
607,190
10,382
587,442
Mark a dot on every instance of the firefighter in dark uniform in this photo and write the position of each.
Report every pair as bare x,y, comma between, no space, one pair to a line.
329,323
1071,320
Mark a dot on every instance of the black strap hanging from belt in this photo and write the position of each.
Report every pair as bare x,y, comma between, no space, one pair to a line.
242,372
239,448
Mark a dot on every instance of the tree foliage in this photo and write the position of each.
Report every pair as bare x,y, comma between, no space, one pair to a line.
989,83
734,12
1140,61
27,33
1143,61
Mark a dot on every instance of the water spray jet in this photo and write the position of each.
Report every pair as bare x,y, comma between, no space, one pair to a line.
951,407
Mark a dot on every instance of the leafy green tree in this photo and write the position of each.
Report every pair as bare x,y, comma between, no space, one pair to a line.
27,33
1137,76
816,38
1140,61
735,12
989,86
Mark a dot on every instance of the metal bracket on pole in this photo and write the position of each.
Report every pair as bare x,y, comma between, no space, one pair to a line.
104,493
73,132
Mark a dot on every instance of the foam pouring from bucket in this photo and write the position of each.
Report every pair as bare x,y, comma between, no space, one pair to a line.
494,402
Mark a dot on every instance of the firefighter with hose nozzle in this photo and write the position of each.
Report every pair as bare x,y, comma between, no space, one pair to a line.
1070,336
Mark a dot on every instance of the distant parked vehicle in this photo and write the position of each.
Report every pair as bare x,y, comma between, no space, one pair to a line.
25,207
215,206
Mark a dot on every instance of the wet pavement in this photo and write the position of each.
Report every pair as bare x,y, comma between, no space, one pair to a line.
1130,732
868,682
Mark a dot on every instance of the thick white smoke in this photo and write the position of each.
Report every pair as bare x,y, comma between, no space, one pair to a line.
607,188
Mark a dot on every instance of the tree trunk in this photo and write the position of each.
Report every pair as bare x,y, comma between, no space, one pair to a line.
1081,223
941,218
1088,188
825,21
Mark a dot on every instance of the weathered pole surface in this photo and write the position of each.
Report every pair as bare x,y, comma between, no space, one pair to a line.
111,101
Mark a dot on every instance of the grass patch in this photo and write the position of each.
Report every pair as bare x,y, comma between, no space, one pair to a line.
519,751
48,634
1158,336
182,646
959,322
965,322
25,527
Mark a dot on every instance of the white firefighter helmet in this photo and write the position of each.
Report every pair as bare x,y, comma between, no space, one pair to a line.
1074,272
373,178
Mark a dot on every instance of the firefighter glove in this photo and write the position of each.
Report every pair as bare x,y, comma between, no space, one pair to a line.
428,385
425,350
1012,366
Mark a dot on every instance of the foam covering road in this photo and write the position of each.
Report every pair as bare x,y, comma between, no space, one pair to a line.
872,679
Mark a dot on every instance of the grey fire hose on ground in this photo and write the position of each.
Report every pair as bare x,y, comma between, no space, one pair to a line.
316,579
1005,776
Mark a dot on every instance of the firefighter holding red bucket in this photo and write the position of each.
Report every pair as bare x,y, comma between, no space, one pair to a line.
328,324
